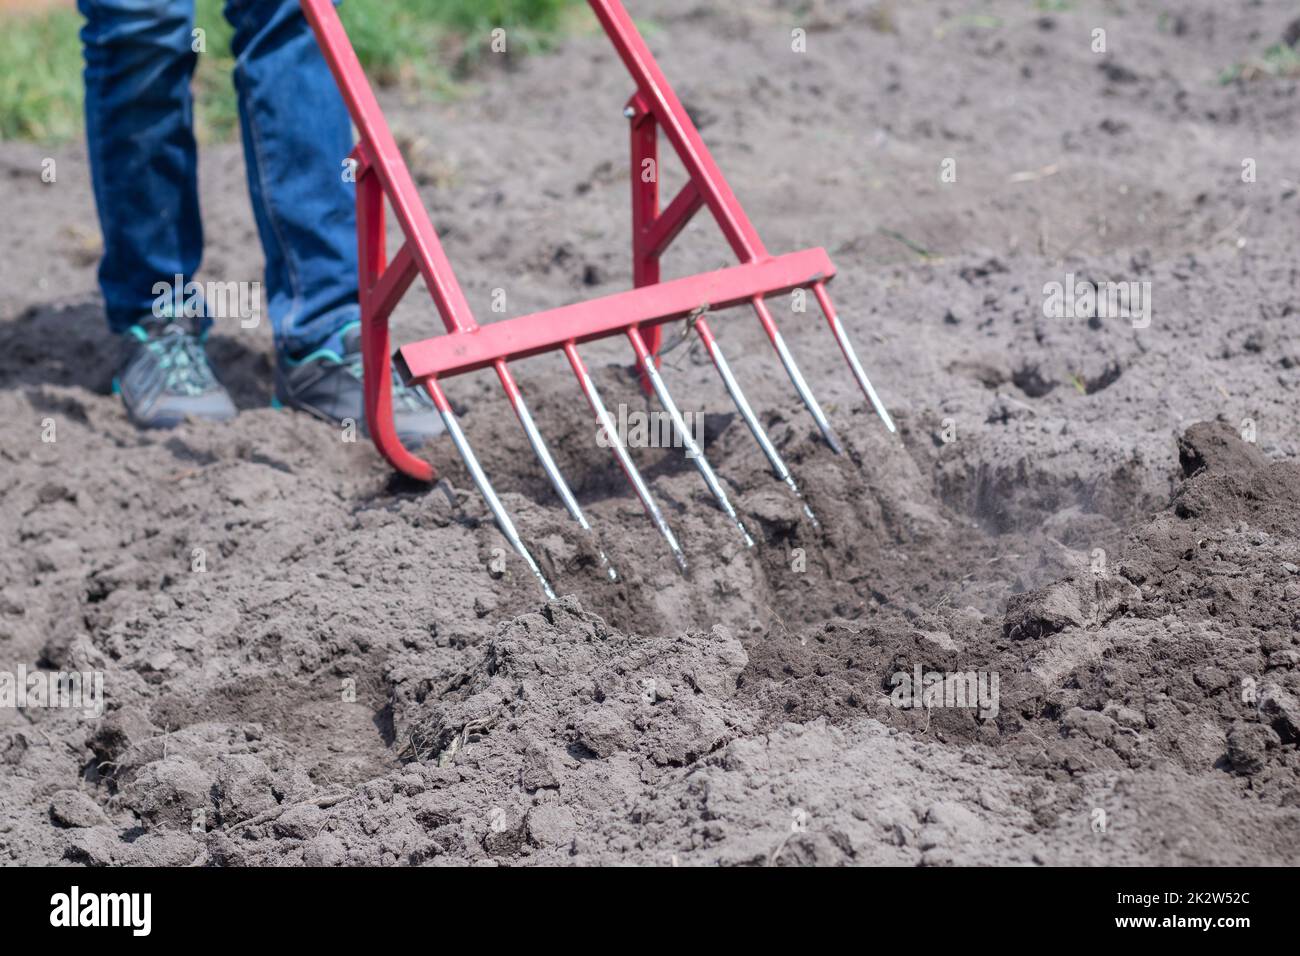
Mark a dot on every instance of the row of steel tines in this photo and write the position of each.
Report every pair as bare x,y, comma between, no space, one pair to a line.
648,366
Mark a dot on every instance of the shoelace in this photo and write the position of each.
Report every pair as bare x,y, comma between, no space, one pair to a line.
407,399
181,356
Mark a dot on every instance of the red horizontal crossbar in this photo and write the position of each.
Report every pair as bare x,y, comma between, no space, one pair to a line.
458,352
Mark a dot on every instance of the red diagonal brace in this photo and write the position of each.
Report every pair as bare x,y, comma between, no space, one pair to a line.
659,234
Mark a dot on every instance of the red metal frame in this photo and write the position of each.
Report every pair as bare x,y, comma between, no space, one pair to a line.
381,172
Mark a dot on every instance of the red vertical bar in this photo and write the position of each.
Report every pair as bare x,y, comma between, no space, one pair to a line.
377,378
645,197
645,210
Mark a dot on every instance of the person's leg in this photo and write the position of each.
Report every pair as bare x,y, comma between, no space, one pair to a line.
139,62
297,135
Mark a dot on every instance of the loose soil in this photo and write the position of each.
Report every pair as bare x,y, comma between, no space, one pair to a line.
1101,516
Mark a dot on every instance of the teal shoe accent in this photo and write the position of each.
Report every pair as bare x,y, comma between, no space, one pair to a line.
333,350
329,385
276,403
166,377
334,357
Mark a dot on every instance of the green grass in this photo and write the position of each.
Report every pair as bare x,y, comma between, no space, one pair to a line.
40,77
1277,60
418,44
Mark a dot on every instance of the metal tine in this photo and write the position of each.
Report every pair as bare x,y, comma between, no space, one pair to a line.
481,480
791,369
693,451
548,463
824,300
747,413
624,459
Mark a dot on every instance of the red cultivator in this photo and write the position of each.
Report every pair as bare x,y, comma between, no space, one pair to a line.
637,314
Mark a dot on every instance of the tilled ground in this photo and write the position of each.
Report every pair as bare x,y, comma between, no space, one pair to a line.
1099,516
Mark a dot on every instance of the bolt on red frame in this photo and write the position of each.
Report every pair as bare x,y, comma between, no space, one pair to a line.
637,314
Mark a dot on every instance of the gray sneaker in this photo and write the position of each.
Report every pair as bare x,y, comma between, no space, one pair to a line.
166,378
328,386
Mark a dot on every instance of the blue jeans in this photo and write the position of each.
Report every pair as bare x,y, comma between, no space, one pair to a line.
296,134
